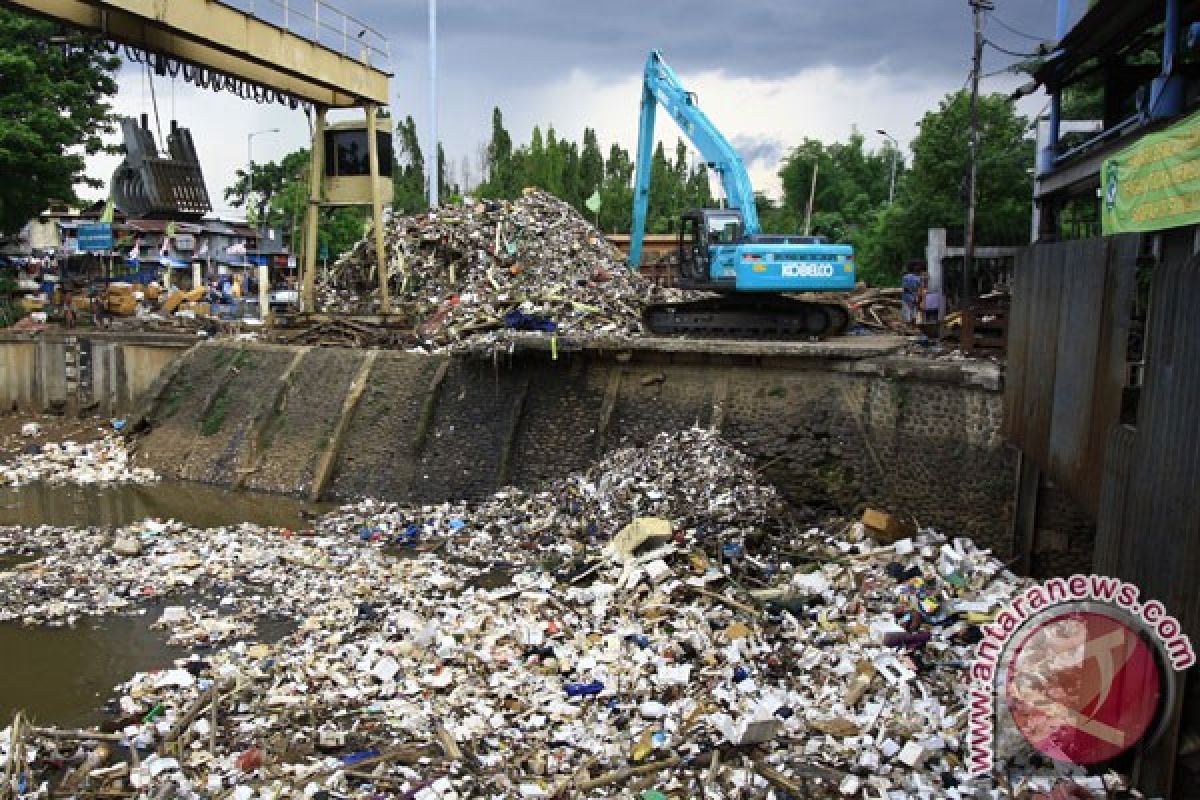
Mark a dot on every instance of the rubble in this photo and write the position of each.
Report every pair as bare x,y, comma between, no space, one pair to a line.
491,267
103,462
659,625
878,310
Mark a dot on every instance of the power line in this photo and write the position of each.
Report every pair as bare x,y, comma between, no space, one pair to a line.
992,16
1011,69
1008,52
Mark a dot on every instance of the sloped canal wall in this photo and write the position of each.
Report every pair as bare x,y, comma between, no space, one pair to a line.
833,428
909,435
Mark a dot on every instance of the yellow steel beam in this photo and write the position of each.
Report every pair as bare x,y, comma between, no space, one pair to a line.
312,213
212,35
385,300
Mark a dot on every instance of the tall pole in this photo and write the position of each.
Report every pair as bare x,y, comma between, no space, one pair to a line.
812,192
250,164
978,6
385,300
895,150
435,175
312,212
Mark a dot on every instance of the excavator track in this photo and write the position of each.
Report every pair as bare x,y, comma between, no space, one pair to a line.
769,316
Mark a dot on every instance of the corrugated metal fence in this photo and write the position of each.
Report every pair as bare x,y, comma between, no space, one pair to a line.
1068,348
1067,353
1148,530
1067,335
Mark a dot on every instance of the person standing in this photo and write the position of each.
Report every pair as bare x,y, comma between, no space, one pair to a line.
69,317
932,304
100,310
910,285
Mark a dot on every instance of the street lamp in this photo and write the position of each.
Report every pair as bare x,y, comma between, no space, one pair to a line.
895,147
250,161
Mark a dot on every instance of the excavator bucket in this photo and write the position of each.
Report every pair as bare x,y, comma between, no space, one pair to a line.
147,184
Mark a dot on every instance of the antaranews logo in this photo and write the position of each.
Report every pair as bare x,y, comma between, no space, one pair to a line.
1079,666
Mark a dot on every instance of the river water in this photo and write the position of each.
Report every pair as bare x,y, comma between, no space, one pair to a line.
62,676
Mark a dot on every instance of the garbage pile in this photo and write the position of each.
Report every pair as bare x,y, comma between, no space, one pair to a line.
103,462
659,625
879,310
496,266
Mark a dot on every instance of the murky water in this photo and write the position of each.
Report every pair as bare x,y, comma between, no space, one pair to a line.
62,676
196,504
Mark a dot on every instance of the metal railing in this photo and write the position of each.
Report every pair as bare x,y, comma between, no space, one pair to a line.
324,24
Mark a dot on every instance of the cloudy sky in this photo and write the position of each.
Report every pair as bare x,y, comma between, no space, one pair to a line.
768,72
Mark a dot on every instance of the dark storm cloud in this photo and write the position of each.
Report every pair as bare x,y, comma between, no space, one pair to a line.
529,41
765,149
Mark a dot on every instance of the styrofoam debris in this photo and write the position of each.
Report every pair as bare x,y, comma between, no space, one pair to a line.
503,629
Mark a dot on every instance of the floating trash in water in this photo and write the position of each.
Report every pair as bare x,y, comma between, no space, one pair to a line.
667,623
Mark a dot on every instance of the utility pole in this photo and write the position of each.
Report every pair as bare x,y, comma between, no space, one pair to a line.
435,174
978,6
812,193
895,149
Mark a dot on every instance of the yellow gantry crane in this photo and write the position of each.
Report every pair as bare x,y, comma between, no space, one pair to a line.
306,51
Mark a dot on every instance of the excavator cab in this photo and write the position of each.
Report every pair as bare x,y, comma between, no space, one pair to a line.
693,247
703,232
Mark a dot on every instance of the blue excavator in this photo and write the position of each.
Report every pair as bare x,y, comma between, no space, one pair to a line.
724,250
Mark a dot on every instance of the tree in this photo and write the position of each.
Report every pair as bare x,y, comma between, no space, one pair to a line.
337,229
53,112
616,195
501,178
931,193
591,164
661,199
446,190
852,184
259,188
699,194
289,200
408,176
341,228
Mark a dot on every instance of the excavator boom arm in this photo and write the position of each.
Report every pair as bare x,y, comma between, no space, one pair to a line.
660,84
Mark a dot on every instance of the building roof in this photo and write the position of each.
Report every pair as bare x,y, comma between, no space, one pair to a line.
1104,30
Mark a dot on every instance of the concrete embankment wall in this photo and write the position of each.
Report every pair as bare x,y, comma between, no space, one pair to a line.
93,373
909,435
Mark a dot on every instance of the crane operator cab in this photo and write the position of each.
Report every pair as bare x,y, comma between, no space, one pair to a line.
348,166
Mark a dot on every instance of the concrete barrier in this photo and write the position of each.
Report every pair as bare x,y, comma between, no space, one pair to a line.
61,372
914,436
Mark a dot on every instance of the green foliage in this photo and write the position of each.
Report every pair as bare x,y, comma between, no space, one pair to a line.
53,112
851,192
574,172
932,193
502,179
280,201
408,175
341,227
275,194
851,182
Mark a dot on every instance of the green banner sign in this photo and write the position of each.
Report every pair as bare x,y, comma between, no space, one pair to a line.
1155,183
